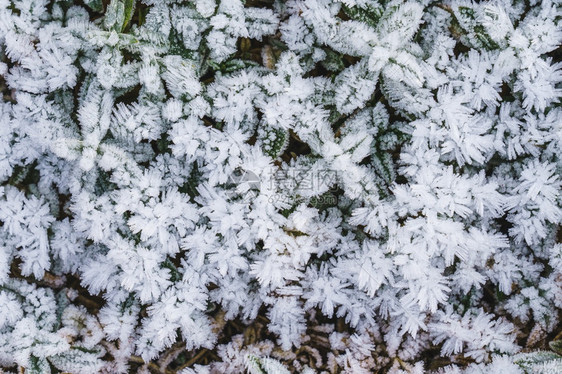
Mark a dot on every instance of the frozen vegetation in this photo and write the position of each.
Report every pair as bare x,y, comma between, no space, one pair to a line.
307,186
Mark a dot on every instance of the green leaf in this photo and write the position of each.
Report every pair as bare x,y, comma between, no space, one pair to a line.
114,15
333,61
274,141
369,13
175,275
79,360
556,346
264,365
118,14
95,5
528,360
384,166
129,10
230,66
472,33
38,366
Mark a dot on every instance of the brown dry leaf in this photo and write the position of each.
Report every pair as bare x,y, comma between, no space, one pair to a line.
536,336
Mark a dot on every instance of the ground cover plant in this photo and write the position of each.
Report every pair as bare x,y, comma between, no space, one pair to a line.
307,186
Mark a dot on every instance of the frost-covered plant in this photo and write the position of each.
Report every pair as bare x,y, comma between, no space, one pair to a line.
539,362
392,166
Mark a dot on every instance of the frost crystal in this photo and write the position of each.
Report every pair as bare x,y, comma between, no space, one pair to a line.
279,186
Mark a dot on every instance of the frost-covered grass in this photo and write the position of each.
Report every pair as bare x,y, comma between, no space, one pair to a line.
313,186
